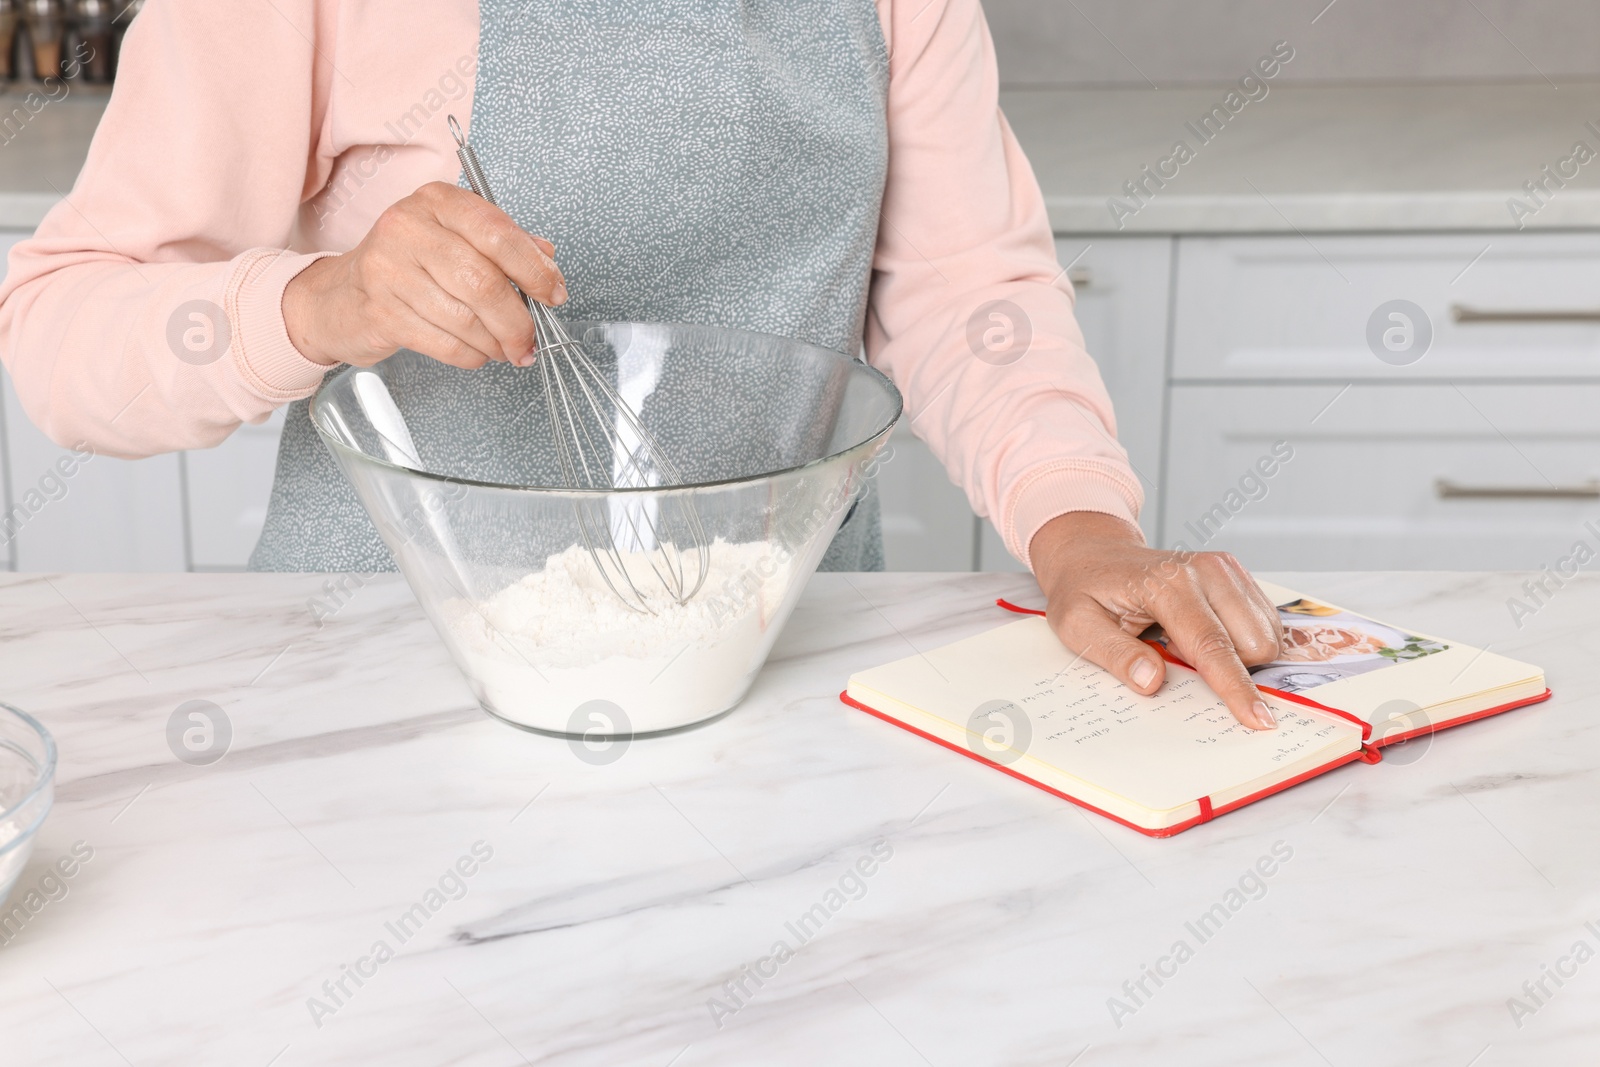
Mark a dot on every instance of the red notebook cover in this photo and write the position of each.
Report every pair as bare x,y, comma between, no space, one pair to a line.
1368,753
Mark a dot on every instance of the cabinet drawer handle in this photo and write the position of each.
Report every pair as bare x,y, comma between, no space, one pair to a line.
1449,490
1462,313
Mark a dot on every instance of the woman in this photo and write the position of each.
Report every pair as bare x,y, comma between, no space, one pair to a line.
280,178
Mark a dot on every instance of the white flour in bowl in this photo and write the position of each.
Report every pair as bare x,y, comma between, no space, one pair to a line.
558,639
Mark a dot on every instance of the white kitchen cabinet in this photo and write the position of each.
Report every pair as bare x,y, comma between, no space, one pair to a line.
927,524
1385,476
1504,306
108,515
227,491
1124,289
105,515
1468,441
1123,286
992,554
200,510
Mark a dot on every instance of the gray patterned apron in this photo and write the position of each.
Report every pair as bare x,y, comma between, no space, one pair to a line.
718,162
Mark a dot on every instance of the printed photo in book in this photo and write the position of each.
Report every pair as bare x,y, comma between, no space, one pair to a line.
1324,644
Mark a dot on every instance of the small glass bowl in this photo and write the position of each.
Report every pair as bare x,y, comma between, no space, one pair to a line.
27,789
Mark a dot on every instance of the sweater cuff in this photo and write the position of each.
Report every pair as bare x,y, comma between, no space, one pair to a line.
1062,488
267,361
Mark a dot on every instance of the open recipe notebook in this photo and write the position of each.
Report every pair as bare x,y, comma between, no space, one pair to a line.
1015,699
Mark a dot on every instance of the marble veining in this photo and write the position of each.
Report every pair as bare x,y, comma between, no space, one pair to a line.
624,905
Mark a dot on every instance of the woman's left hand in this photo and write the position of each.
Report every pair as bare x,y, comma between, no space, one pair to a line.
1104,587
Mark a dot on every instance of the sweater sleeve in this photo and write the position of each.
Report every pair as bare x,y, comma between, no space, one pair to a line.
145,314
972,315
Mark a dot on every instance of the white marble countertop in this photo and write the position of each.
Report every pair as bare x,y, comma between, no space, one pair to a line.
1313,157
1306,157
1418,897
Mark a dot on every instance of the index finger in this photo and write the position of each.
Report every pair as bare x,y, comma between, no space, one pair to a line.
517,253
1202,640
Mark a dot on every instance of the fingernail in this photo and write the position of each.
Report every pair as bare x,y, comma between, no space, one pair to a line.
1263,715
558,295
1144,672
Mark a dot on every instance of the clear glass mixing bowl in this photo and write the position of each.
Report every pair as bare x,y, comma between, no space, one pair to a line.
773,441
27,787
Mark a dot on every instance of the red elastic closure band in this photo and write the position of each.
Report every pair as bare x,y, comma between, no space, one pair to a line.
1366,727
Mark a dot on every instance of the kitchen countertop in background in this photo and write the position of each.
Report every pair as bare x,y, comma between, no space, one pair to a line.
1417,896
1308,158
1313,158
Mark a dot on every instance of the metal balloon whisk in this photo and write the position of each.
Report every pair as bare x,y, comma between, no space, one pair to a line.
649,549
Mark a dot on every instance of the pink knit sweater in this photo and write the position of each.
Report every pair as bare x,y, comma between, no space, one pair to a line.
245,140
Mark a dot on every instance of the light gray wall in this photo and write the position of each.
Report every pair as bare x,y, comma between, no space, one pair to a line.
1170,42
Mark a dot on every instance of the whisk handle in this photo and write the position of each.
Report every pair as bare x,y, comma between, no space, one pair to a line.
477,181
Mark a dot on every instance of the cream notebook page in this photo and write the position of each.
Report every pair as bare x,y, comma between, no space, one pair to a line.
1083,732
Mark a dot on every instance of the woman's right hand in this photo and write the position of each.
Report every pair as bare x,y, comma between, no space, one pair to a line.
432,275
